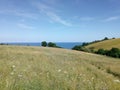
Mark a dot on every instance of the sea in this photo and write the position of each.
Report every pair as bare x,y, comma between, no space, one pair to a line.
66,45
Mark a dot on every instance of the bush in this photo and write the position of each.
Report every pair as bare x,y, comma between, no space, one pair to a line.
2,44
85,44
50,44
77,47
114,52
106,38
44,43
101,51
81,48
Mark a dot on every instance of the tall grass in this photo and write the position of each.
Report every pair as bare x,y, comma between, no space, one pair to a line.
35,68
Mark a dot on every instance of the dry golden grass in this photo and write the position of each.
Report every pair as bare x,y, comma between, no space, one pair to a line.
107,44
38,68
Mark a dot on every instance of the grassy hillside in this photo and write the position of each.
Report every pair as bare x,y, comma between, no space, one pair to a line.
107,44
37,68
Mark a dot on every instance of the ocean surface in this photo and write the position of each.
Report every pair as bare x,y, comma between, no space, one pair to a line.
67,45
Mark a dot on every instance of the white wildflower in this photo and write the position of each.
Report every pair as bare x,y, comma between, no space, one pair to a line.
20,75
13,66
59,70
12,73
118,81
92,78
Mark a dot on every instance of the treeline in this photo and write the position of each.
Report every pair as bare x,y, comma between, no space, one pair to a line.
88,43
49,44
114,52
82,48
3,44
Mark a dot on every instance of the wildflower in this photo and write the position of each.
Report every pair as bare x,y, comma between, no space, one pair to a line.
20,75
41,73
12,73
59,70
118,81
80,75
13,66
65,72
92,78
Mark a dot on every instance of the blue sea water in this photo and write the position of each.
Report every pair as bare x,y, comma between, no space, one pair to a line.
67,45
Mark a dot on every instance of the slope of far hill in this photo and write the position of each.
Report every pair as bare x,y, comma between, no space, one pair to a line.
40,68
106,44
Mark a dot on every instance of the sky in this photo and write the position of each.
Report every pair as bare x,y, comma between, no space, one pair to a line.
59,20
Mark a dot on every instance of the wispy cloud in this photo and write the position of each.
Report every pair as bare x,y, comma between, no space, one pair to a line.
49,12
111,19
57,18
24,26
19,13
26,15
87,18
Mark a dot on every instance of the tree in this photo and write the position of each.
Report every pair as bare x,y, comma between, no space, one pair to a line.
50,44
85,44
106,38
113,38
44,43
114,52
101,51
81,48
77,47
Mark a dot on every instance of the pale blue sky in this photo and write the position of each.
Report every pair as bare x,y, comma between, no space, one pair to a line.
58,20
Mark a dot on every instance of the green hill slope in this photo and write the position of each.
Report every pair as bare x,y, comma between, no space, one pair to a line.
38,68
107,44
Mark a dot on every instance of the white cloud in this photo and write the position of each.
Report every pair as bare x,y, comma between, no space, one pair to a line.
24,26
26,15
111,18
49,11
19,13
58,19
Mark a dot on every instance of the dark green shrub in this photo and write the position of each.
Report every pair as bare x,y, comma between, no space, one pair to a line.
44,43
81,48
101,51
51,44
114,52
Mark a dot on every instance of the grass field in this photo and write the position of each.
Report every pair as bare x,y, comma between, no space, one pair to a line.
39,68
107,44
